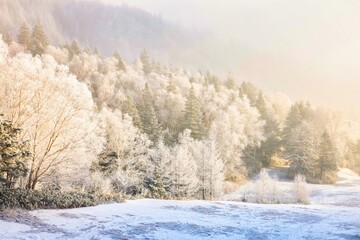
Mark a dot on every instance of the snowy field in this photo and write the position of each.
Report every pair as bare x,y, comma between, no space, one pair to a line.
333,214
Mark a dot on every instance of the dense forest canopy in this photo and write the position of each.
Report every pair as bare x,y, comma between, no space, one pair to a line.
148,128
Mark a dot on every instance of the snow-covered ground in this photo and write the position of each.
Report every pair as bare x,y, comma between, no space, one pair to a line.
333,214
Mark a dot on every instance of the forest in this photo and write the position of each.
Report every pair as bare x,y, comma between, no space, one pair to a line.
76,122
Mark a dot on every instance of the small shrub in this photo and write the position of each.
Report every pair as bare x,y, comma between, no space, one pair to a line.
266,188
301,191
48,199
329,177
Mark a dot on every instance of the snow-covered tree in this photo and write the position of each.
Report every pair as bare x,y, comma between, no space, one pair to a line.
235,128
326,164
193,116
13,153
56,113
210,170
24,37
302,151
126,151
184,169
38,41
159,172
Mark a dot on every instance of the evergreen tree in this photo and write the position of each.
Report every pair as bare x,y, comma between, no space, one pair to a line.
24,37
145,60
107,163
261,106
230,82
74,49
120,63
150,123
39,40
302,152
250,91
6,36
158,180
193,116
210,171
184,169
171,87
252,159
212,80
327,157
130,108
13,152
257,157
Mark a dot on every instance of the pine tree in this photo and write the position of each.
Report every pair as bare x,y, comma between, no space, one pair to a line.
272,143
150,123
24,37
230,82
327,157
261,106
74,49
250,91
13,152
107,163
158,180
145,60
252,160
302,152
130,108
6,36
171,87
39,40
210,169
193,116
184,180
120,63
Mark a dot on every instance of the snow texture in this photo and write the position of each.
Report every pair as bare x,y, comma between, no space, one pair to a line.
333,214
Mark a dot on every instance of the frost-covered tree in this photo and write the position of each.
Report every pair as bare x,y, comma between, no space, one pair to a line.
126,152
210,170
235,128
184,169
38,41
13,154
298,113
146,63
24,37
193,116
230,82
130,108
158,179
302,151
7,38
326,164
74,49
250,91
120,63
55,112
149,119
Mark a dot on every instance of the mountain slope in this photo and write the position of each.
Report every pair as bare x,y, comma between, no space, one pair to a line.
96,24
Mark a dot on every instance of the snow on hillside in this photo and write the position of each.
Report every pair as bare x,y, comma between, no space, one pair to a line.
330,216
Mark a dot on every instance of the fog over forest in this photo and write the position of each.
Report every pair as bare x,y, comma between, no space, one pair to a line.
179,119
282,46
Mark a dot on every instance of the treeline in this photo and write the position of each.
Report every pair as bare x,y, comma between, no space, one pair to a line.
77,120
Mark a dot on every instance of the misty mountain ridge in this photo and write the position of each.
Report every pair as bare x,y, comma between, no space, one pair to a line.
99,25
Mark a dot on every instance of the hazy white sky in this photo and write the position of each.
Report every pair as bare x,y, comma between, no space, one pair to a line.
308,49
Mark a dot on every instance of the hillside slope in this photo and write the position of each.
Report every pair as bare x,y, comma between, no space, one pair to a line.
96,24
159,219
